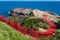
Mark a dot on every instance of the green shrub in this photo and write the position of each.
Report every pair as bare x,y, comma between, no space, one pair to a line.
35,23
47,38
15,19
57,34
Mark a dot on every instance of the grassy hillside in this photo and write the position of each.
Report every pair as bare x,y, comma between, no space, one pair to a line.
7,33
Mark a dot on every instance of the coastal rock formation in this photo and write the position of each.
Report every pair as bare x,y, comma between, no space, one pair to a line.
20,13
39,14
24,13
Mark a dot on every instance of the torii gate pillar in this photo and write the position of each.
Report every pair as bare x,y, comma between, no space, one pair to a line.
44,16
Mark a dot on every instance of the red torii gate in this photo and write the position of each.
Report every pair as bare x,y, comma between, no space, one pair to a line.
51,30
48,21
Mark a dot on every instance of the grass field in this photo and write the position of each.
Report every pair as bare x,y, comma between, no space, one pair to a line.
8,33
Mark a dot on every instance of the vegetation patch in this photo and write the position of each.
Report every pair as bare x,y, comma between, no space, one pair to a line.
8,33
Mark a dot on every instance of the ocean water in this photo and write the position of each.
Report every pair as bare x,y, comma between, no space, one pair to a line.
6,6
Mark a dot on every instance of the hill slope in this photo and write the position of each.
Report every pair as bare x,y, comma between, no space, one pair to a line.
7,33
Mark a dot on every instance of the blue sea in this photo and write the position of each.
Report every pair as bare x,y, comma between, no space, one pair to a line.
6,6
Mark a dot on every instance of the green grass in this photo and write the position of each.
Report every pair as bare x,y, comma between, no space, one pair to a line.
35,23
8,33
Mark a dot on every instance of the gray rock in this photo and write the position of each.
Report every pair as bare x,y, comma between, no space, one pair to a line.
20,13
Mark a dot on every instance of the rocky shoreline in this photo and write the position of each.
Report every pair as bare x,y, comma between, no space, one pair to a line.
24,12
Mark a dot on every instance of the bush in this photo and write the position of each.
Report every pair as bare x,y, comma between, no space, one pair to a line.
57,34
58,24
47,38
15,19
35,23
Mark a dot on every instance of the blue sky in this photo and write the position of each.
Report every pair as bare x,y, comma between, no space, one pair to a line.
29,0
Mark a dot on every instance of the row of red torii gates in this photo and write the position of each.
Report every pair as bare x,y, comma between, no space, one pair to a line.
31,32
